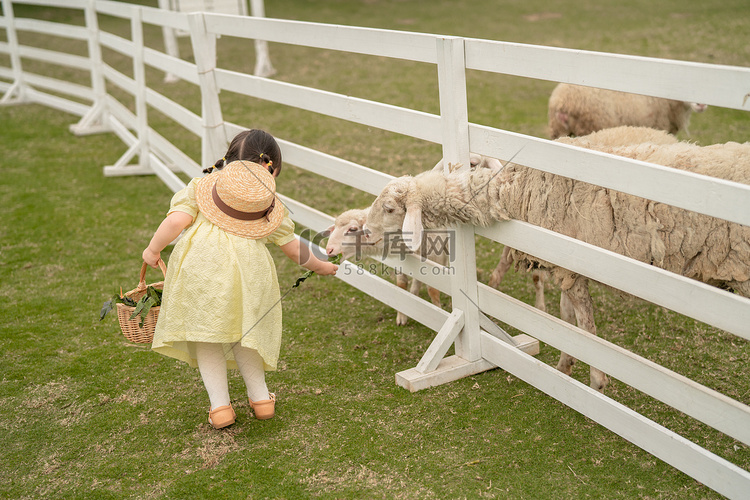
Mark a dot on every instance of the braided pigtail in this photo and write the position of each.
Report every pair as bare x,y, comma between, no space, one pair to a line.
269,162
218,166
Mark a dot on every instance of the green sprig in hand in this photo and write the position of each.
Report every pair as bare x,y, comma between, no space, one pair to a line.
335,260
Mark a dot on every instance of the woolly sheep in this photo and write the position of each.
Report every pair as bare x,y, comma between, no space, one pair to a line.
697,246
345,238
539,277
576,110
629,135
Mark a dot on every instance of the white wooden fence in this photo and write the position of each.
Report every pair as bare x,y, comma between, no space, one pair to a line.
479,344
263,66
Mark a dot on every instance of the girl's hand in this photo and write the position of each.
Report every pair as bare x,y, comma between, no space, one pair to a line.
327,268
151,258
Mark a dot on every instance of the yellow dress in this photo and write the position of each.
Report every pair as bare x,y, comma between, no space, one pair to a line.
220,288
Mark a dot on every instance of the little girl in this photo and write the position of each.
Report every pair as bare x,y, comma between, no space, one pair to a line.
221,305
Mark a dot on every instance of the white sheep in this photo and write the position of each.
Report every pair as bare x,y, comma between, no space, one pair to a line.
697,246
539,276
346,237
626,136
576,110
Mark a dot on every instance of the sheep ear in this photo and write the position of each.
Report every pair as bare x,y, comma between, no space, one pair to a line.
494,164
412,227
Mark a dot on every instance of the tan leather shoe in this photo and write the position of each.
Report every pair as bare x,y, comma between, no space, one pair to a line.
221,417
265,408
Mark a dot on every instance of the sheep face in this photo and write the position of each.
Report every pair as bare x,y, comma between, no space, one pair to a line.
396,209
347,235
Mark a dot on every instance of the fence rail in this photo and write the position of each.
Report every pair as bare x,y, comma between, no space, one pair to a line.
479,343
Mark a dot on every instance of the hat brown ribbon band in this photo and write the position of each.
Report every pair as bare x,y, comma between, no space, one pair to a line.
236,214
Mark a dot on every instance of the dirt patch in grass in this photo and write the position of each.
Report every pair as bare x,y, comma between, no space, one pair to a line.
390,485
211,445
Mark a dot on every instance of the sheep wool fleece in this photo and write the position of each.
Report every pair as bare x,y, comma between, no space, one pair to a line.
220,288
694,245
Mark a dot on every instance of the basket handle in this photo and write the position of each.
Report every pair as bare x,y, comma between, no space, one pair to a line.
142,281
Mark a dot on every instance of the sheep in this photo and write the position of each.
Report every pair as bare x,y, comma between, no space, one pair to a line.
627,135
697,246
575,110
539,277
345,238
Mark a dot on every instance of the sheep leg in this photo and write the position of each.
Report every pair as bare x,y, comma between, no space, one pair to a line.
539,277
583,307
401,281
434,294
416,285
567,314
502,267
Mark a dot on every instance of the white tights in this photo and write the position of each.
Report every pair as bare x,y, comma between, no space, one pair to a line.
213,368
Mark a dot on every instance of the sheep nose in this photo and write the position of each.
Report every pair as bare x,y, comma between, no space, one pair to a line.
329,250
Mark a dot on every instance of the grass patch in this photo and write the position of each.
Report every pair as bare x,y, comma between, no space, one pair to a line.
87,414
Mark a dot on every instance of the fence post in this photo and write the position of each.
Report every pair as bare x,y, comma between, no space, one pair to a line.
139,74
171,46
95,120
141,145
214,140
462,327
455,130
16,94
263,65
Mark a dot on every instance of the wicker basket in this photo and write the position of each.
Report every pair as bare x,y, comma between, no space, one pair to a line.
131,327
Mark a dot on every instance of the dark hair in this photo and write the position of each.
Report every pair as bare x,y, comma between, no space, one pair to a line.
253,145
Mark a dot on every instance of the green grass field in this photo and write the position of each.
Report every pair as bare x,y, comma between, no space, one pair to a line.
86,414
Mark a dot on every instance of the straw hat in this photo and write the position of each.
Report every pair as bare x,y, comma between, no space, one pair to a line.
241,199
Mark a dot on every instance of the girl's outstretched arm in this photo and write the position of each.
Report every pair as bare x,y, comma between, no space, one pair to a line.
169,229
305,258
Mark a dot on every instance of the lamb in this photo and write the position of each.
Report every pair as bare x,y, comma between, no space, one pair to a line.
697,246
576,110
475,161
346,238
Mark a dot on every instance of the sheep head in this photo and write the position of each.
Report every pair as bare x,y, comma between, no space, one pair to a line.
346,235
397,208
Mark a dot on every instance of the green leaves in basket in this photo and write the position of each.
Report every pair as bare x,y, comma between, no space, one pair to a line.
151,298
116,299
144,305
